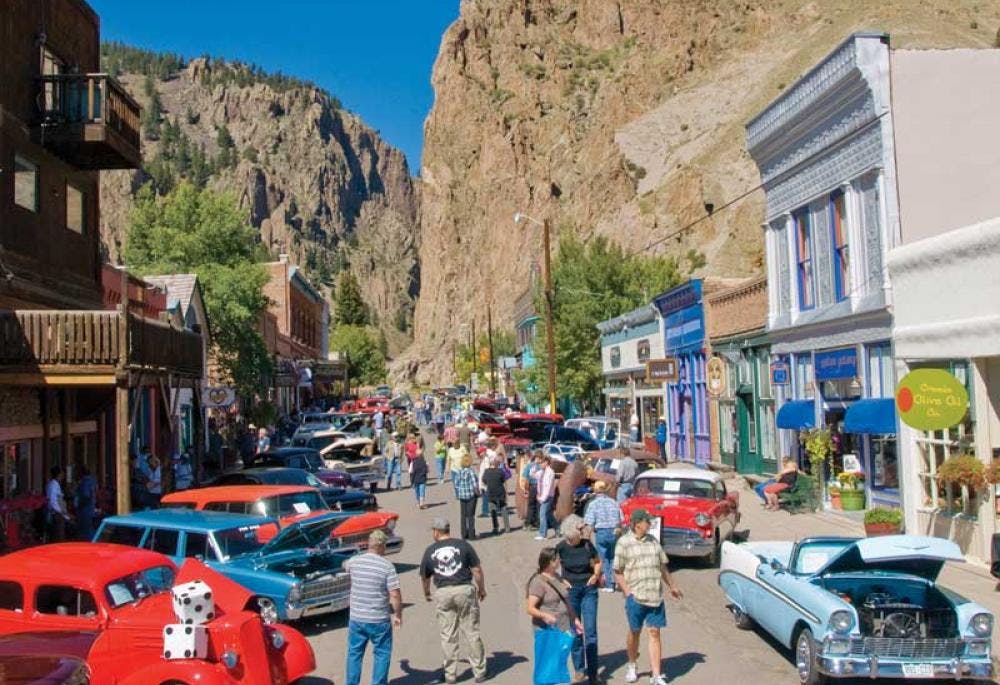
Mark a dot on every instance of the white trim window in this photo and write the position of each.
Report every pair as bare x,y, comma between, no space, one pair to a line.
25,183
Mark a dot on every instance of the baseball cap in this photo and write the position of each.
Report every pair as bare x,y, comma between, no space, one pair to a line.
440,523
640,515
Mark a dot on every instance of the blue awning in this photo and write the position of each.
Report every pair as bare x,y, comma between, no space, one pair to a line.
871,416
797,415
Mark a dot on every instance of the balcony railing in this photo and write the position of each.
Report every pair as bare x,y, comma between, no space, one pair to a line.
90,120
104,339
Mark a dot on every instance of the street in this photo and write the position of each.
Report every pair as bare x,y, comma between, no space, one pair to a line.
701,644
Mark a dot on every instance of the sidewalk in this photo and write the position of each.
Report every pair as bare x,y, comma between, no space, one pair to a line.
971,580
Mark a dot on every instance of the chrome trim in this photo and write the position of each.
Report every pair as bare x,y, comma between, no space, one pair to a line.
777,593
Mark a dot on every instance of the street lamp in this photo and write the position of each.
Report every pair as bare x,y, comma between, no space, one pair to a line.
519,218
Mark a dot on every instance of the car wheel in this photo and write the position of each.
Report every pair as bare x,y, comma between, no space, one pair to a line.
712,558
805,659
741,618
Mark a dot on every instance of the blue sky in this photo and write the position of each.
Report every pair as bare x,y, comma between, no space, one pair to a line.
374,55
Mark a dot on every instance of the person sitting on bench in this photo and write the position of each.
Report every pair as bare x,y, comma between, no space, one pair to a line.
786,480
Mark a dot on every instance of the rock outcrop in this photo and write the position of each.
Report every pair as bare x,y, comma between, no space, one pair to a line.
616,117
317,182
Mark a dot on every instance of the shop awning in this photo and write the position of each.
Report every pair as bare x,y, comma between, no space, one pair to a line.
797,415
871,416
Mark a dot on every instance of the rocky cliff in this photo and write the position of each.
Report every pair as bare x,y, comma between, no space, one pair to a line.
316,181
619,117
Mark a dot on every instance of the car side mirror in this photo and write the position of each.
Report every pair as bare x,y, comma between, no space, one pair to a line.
777,566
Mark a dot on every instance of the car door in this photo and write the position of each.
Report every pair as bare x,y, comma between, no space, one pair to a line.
776,606
724,515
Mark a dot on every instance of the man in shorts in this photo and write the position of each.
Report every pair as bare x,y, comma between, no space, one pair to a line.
641,573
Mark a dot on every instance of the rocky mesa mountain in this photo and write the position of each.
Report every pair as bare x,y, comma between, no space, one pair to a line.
616,117
318,183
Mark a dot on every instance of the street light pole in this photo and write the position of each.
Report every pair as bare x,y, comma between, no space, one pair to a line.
489,333
549,324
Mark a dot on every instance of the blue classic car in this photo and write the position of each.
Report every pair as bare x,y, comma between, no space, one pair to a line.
866,608
294,575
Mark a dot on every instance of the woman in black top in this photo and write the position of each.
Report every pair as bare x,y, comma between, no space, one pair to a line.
581,568
785,481
418,477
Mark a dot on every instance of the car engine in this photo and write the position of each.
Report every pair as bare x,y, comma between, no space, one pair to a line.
883,615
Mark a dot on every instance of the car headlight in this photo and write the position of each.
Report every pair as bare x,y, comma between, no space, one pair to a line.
841,621
230,659
390,525
295,594
981,625
978,648
277,639
702,520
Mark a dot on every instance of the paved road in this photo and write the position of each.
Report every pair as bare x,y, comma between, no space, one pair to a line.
701,643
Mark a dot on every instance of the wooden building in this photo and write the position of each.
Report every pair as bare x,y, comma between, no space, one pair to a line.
70,370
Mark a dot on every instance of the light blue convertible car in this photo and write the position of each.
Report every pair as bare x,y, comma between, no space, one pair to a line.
867,607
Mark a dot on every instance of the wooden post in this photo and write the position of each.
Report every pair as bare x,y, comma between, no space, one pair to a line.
123,471
549,325
65,438
489,333
46,433
198,416
475,352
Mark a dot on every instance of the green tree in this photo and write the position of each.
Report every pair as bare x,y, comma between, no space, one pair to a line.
366,361
227,148
351,310
151,116
192,230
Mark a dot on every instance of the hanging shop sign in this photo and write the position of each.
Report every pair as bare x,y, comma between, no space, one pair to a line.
221,396
835,365
931,399
780,373
715,375
662,370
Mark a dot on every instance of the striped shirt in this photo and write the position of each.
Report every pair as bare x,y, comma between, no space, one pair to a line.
373,577
641,562
603,512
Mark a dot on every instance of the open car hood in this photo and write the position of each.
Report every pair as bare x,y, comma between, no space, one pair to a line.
304,533
915,555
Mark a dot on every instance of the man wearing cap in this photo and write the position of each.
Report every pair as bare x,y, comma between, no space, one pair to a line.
604,516
374,591
641,572
454,566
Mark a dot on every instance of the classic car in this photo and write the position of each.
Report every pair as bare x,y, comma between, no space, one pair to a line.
354,456
296,574
337,498
692,512
304,458
606,432
120,596
46,658
289,504
859,608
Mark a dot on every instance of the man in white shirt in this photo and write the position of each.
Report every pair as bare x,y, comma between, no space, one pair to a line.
56,514
488,456
546,495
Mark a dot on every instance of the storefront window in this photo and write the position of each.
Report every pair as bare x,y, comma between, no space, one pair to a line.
885,464
764,376
768,431
652,410
804,388
880,374
727,427
16,463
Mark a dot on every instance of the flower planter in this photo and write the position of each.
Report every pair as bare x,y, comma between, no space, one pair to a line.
876,529
852,500
835,499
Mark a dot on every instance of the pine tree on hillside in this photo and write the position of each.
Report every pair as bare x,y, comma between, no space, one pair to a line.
351,309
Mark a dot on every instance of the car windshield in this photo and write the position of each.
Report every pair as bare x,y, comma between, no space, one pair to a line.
680,487
291,504
812,556
234,542
306,534
135,586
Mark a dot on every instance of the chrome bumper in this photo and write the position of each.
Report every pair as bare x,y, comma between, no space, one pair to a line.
860,666
684,542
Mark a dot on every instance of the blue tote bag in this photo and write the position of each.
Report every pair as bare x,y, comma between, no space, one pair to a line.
552,648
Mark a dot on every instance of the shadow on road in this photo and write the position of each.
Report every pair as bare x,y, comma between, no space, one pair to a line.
497,663
673,666
312,680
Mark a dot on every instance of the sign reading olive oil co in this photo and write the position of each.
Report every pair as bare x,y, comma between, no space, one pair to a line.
931,399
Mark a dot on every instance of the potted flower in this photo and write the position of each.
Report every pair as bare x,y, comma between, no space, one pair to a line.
883,521
833,488
963,470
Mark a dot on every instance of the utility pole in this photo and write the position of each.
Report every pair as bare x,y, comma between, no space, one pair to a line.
489,333
475,352
550,332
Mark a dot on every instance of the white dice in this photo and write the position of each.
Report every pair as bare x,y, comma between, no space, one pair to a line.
193,603
182,641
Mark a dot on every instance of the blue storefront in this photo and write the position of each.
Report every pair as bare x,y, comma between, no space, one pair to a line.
687,401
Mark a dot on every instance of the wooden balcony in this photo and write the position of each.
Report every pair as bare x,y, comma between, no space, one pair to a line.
89,120
47,345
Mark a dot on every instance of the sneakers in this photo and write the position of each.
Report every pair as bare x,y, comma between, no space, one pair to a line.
540,537
631,674
658,680
607,589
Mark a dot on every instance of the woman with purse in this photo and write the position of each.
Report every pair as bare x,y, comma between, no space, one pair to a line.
581,567
554,620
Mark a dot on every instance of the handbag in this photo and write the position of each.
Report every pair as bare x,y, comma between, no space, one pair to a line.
552,648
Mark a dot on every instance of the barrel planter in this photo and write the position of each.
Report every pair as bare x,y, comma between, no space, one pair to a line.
875,529
852,500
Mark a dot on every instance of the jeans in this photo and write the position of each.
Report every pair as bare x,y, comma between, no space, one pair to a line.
468,514
392,474
484,507
498,509
662,448
583,599
604,540
624,491
358,636
440,468
532,519
420,489
454,486
759,488
545,519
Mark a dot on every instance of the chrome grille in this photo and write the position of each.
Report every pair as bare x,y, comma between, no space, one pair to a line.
324,587
359,540
929,648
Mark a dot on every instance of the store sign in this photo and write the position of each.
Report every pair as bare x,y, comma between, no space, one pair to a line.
931,399
781,373
685,329
662,370
221,396
715,373
836,365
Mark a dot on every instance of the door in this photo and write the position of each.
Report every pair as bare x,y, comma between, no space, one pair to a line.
749,458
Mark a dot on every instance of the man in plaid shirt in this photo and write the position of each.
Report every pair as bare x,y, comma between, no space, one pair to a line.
466,489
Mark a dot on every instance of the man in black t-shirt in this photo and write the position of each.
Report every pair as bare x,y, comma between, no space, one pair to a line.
454,566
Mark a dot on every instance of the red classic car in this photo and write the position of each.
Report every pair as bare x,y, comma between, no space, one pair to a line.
121,595
692,512
289,504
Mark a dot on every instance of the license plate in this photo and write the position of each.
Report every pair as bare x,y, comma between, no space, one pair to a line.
918,670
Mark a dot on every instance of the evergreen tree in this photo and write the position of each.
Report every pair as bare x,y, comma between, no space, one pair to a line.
200,170
351,310
227,148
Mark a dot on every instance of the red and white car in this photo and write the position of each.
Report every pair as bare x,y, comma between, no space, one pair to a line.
692,511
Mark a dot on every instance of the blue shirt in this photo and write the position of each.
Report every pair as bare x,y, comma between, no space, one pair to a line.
465,483
603,512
